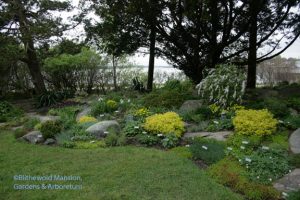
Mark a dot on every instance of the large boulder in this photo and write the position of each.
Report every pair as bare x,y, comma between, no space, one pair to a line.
101,129
191,105
34,137
289,183
294,141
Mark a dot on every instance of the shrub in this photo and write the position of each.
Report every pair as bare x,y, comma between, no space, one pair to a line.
8,111
294,103
50,128
114,139
38,127
111,105
223,86
210,151
265,166
292,122
229,173
142,113
276,106
103,106
169,141
280,141
87,119
220,124
258,122
166,123
182,152
148,140
132,128
31,123
294,160
19,132
294,195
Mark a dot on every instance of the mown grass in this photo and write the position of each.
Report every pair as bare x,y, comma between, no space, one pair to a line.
107,173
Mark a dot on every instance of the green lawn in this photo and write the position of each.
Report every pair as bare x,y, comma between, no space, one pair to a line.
110,173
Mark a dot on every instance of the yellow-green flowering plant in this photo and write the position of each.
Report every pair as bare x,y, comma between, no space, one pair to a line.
86,119
254,122
167,123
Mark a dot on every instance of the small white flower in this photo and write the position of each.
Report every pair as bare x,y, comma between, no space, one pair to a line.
265,148
270,157
100,99
270,179
187,145
106,132
257,177
204,147
136,127
290,171
121,101
102,115
240,160
216,122
248,159
144,132
242,147
247,166
93,141
245,142
40,136
280,121
128,100
229,148
117,111
160,135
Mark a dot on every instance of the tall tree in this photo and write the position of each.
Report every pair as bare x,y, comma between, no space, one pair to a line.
32,22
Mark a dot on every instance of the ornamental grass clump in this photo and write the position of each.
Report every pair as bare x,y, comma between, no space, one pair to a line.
167,123
254,122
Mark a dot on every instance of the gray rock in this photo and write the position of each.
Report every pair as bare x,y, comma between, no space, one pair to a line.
50,141
86,111
34,137
101,129
220,136
294,141
191,105
290,182
43,118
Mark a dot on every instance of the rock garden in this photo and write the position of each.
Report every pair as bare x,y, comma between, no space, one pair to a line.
248,142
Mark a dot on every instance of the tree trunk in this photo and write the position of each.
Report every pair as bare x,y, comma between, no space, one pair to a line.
32,60
114,62
214,22
251,73
151,58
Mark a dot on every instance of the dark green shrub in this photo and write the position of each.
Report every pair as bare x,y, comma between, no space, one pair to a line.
148,140
170,141
20,132
220,124
277,107
50,128
294,160
294,195
114,139
294,103
52,97
210,151
292,122
31,123
133,128
9,112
